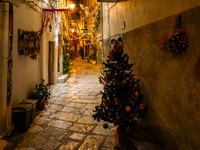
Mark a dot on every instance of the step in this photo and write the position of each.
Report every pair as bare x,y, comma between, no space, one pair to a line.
3,144
63,78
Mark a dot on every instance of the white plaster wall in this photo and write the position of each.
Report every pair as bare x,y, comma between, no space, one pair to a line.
25,71
3,68
48,36
61,55
44,61
137,13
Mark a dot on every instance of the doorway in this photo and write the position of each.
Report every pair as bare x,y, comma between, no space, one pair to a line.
51,63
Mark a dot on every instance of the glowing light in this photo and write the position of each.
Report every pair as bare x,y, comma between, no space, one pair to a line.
72,30
71,6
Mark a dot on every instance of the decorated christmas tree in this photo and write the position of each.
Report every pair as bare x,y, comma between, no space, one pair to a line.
121,100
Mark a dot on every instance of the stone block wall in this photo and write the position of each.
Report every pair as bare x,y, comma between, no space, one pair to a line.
169,83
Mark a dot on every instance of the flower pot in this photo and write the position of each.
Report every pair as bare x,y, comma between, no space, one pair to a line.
41,104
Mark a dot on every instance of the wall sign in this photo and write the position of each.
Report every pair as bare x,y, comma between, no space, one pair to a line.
123,25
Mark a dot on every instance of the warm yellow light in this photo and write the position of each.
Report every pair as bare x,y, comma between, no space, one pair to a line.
72,30
71,6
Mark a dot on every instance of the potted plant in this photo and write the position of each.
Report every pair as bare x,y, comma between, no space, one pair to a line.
66,62
93,58
40,93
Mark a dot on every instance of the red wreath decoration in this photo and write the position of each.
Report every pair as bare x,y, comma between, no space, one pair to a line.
179,42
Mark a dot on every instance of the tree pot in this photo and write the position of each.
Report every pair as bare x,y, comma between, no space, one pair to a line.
124,142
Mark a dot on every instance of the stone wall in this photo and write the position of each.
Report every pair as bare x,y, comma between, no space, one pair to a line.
168,82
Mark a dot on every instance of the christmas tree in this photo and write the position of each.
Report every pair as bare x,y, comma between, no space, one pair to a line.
121,100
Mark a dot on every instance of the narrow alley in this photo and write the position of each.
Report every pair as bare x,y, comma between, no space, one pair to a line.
99,75
67,122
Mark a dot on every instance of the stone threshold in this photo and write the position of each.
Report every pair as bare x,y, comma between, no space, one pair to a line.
63,78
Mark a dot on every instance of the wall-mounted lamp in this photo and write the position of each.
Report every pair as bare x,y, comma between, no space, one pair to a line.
71,6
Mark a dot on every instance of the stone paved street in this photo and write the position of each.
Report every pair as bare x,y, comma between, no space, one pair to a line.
67,122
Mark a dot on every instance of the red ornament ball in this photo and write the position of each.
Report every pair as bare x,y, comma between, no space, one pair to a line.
128,108
136,93
142,106
114,79
110,89
106,104
124,81
105,125
117,67
122,123
115,123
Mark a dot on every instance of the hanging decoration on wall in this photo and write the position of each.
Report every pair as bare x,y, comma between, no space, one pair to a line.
179,42
162,41
198,68
29,43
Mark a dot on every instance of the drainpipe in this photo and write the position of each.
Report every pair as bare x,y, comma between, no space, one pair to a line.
9,72
109,16
101,17
109,19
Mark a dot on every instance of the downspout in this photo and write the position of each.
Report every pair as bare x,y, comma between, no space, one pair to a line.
109,16
108,9
9,73
108,20
102,45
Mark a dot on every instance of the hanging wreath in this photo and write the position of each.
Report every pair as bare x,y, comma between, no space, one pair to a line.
179,42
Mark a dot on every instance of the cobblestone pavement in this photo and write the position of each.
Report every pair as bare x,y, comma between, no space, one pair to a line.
67,122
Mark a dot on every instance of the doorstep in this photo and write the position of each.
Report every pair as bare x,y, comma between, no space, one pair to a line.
63,78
